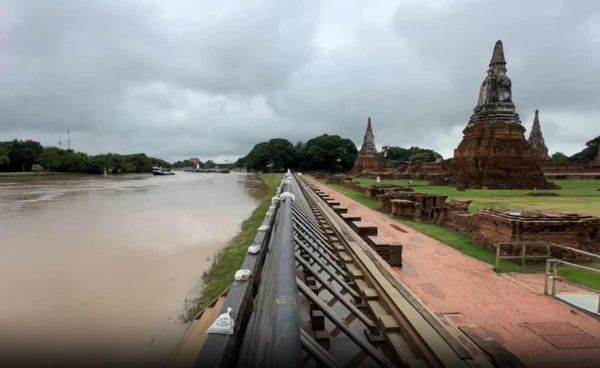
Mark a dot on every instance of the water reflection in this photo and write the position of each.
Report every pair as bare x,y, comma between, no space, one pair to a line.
96,269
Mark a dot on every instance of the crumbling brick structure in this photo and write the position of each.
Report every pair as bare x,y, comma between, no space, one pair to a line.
422,207
493,152
368,161
536,140
572,230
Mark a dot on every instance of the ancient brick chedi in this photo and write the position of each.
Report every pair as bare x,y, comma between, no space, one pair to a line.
368,161
536,140
493,152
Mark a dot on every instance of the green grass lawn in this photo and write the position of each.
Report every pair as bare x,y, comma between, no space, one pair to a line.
575,196
579,276
218,278
357,196
465,245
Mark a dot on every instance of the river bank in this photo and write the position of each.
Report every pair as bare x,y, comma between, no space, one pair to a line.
220,275
33,173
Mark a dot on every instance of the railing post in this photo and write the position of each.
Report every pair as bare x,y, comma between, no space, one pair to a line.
523,250
554,277
547,276
497,266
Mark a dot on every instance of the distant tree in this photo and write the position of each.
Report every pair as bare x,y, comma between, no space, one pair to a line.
4,159
182,164
422,157
328,152
241,162
278,152
21,155
559,157
589,153
416,154
74,162
51,158
210,164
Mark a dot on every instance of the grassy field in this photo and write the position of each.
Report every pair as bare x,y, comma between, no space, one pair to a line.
464,244
575,196
228,260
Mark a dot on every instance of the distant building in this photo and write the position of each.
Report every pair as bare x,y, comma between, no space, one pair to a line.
196,161
368,160
536,140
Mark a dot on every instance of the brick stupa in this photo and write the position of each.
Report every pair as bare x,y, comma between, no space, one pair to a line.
494,153
536,140
368,161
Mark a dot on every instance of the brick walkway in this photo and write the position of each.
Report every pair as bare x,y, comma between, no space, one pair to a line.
449,282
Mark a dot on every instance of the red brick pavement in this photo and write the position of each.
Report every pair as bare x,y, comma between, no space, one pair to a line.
449,282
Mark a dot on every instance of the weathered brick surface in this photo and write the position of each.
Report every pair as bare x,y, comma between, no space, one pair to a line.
493,152
572,230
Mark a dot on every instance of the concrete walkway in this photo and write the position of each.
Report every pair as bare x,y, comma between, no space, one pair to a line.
541,331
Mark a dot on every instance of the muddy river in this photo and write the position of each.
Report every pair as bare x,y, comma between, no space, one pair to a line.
97,271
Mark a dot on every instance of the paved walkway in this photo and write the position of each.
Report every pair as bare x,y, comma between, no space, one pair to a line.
528,324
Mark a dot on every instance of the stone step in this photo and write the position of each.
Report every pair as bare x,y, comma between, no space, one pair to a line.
348,217
363,228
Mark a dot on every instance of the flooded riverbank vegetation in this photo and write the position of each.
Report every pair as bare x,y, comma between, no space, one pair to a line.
220,275
29,155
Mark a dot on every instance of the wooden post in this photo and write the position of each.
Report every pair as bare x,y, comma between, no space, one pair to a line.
523,252
497,267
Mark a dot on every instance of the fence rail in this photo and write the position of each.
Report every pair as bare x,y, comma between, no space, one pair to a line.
524,257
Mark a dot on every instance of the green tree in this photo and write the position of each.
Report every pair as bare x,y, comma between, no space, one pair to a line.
278,152
559,157
328,152
51,158
210,164
395,155
74,162
589,153
4,159
421,157
21,154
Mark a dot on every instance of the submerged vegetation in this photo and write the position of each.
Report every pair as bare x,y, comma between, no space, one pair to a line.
220,275
24,156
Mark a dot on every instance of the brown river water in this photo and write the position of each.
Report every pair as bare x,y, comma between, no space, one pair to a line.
96,271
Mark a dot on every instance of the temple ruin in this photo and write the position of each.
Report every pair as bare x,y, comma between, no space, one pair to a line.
368,161
494,153
536,140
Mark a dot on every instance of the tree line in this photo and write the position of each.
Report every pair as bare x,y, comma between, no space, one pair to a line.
337,154
22,155
322,153
586,155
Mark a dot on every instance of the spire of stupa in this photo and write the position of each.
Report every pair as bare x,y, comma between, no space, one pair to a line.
368,145
536,139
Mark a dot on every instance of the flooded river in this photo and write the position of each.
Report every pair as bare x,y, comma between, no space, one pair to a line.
96,271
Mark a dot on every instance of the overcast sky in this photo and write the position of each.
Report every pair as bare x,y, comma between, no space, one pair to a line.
210,79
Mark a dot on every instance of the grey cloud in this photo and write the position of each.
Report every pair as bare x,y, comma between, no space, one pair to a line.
212,78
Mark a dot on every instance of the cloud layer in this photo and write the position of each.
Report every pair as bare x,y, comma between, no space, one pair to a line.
212,78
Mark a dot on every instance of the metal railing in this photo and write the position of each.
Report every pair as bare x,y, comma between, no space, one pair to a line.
523,256
551,277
